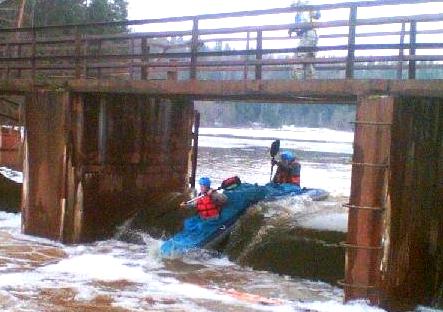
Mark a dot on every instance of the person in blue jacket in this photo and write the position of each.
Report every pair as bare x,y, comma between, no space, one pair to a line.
288,169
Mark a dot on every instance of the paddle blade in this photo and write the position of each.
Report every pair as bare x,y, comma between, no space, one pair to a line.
275,147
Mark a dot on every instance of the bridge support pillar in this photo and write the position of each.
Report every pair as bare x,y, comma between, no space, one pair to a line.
395,232
92,160
372,140
412,267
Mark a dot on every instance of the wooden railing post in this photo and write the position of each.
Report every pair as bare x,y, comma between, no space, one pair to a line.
8,54
78,51
131,66
99,51
401,52
245,69
412,47
259,55
351,43
145,58
85,60
194,49
34,53
19,54
194,148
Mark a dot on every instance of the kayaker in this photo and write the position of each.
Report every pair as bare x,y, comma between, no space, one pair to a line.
209,205
288,169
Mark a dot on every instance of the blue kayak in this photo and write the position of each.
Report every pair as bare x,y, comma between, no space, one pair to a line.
198,233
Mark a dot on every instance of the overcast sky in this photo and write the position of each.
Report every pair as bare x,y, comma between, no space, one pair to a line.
140,9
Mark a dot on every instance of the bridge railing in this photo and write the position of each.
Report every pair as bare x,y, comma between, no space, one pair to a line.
238,45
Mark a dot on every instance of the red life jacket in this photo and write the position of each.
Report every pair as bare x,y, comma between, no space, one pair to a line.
207,208
291,175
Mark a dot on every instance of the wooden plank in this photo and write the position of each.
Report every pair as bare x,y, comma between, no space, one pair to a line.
351,43
145,59
401,52
372,140
259,55
43,180
271,89
194,49
412,49
194,155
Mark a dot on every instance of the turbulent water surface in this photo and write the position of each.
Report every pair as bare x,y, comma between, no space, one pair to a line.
42,275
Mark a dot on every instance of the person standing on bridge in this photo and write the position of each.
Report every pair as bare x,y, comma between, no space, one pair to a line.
288,169
208,202
305,31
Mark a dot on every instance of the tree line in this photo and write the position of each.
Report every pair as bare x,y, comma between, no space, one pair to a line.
59,12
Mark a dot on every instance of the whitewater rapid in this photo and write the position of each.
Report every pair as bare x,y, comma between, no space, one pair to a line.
42,275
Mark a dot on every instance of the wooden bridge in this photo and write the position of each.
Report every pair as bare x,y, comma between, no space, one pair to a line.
94,99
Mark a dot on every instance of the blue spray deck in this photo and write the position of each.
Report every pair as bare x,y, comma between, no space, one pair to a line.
197,233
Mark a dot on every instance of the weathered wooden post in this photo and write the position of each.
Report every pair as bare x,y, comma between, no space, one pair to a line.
194,48
401,52
259,55
78,53
145,58
370,163
351,42
412,49
194,154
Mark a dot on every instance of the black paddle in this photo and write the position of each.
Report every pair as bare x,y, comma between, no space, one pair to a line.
227,184
275,147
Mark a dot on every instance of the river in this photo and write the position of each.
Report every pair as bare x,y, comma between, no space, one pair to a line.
41,275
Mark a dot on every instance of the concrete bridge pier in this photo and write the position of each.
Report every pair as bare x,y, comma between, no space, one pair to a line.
92,160
395,230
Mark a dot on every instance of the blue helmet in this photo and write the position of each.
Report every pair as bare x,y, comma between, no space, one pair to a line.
205,181
287,155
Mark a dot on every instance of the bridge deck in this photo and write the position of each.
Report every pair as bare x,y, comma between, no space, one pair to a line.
293,91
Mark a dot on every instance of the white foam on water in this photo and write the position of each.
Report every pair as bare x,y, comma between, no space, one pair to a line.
330,221
286,132
307,139
329,306
335,178
10,220
97,267
13,175
233,142
427,309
